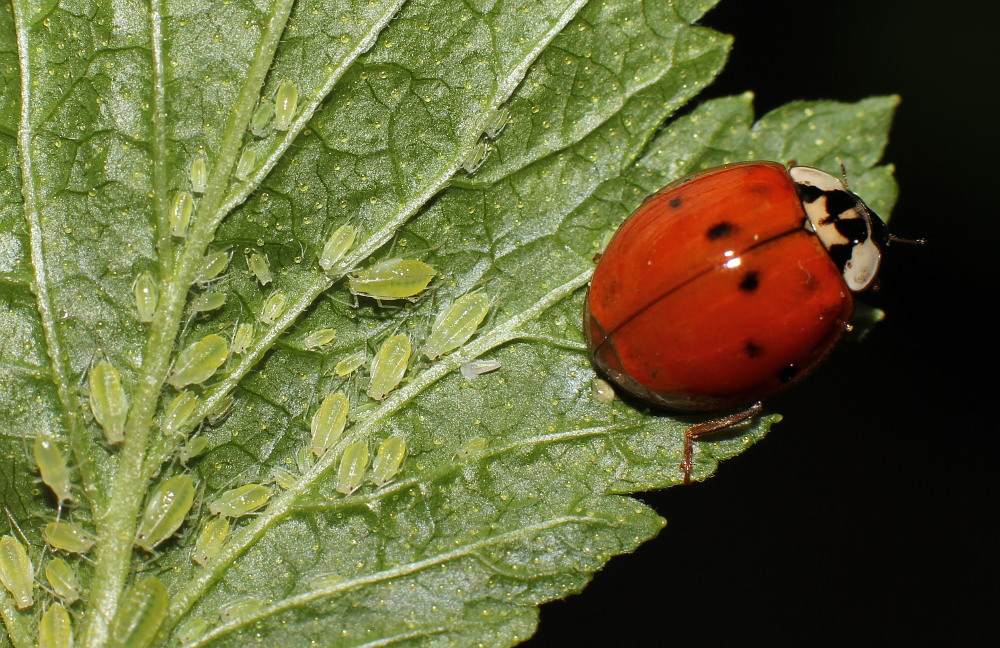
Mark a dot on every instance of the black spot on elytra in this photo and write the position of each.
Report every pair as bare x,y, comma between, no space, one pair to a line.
853,229
841,254
838,201
788,373
720,230
752,349
808,193
675,202
750,282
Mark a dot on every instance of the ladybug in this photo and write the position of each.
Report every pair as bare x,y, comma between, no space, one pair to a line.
729,285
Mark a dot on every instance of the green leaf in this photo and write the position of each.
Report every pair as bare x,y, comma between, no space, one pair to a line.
515,485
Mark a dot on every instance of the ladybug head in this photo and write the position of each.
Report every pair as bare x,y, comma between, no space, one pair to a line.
851,232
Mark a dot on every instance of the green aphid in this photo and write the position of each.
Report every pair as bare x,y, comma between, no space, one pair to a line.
240,501
388,461
283,477
63,580
191,631
70,537
178,413
181,210
192,449
261,116
476,157
221,410
259,267
456,324
52,466
286,103
497,122
353,464
212,266
165,511
470,448
319,338
392,279
199,361
336,247
243,338
199,174
210,540
16,572
389,366
208,302
273,307
55,629
108,401
246,164
146,296
328,422
350,364
140,614
240,609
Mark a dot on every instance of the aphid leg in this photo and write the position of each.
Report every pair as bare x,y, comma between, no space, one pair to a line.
708,427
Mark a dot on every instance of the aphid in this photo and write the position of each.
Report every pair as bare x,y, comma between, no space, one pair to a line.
178,413
199,174
283,477
304,459
324,580
476,368
69,537
52,466
388,460
16,571
475,157
497,122
242,338
336,247
199,361
470,448
146,296
191,630
392,279
285,104
246,164
221,410
328,423
456,324
240,501
353,464
55,629
258,266
140,614
261,116
602,391
208,302
240,608
180,213
273,307
63,580
165,511
212,266
108,401
349,364
389,366
319,338
192,449
209,543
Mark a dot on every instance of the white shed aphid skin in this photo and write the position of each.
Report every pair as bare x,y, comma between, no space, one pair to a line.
477,368
209,301
212,266
165,511
63,580
246,164
192,449
283,477
16,571
108,401
140,614
181,210
191,631
389,366
209,543
319,338
239,609
273,307
350,364
243,338
476,157
55,629
353,464
304,459
391,279
178,413
328,423
70,537
286,103
199,174
259,267
340,241
602,391
199,361
52,466
388,461
240,501
497,122
261,116
470,448
146,296
456,324
221,410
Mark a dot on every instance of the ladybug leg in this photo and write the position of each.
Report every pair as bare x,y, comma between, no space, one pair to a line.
709,427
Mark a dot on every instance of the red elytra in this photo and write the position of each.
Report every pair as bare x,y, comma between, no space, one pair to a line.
729,285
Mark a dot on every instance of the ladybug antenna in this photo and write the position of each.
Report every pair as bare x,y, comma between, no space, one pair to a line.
896,239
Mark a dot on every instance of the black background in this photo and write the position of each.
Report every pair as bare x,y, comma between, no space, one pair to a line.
863,518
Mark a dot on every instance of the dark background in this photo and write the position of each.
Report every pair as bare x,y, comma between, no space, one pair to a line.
862,519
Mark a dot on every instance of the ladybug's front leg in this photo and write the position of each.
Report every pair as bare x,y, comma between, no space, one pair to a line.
708,427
